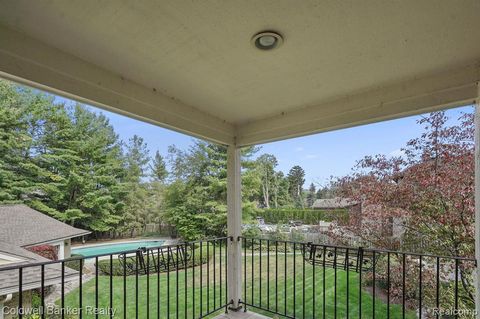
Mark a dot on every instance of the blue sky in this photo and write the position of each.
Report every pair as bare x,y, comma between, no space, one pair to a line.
321,155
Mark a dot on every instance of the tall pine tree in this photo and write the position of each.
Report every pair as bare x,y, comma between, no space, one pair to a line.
296,178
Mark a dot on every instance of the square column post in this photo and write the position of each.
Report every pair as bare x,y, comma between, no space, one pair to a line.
234,226
477,201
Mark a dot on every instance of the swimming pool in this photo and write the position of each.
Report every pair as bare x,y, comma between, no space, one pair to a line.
114,248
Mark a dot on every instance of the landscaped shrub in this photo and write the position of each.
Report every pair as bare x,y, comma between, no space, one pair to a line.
307,216
47,251
117,268
104,267
297,236
278,235
252,231
75,264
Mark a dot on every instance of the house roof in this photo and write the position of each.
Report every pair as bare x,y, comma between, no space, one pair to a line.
190,65
23,226
31,275
331,203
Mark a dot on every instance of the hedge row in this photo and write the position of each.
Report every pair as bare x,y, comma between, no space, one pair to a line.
306,216
104,265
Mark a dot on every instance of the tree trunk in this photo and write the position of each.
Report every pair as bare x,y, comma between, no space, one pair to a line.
266,198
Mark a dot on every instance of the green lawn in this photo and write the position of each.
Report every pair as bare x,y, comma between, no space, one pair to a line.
206,300
313,308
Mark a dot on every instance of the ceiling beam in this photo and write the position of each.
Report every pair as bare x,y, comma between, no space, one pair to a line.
31,62
441,91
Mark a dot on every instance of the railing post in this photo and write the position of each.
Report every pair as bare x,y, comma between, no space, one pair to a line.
477,201
234,226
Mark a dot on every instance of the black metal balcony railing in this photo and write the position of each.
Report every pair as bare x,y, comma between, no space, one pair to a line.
304,280
289,279
187,280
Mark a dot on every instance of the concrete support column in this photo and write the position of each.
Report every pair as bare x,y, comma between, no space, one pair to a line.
477,200
234,226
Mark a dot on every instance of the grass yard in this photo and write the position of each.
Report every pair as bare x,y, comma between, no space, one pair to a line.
192,300
315,300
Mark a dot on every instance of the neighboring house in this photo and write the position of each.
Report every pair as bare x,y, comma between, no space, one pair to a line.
25,227
22,228
338,203
392,226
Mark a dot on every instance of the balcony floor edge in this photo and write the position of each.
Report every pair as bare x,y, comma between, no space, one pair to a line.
241,315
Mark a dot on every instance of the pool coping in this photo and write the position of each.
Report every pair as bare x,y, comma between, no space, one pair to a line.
136,240
91,259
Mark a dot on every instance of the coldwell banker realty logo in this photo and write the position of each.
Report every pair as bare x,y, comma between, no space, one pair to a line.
54,310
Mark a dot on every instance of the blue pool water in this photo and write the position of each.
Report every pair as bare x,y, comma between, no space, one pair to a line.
114,248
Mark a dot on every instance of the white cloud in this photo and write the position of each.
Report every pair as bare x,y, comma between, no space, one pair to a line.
311,156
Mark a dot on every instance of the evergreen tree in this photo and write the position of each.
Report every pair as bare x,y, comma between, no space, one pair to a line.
159,168
95,183
137,159
311,195
325,192
136,210
156,190
62,160
296,178
12,143
82,152
281,195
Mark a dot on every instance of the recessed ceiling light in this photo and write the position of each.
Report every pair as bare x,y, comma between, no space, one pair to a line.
267,40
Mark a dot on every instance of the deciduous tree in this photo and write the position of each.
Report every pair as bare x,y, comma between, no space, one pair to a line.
430,190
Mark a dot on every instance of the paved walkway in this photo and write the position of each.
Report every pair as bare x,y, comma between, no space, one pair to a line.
56,292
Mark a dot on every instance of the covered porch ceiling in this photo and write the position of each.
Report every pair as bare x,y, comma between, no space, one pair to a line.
190,65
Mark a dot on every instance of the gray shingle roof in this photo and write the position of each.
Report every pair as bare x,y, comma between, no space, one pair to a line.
23,226
332,203
31,276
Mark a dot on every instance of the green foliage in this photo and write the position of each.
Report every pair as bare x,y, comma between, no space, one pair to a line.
62,160
249,212
266,164
307,216
252,232
311,195
75,264
296,179
67,161
196,198
159,168
20,176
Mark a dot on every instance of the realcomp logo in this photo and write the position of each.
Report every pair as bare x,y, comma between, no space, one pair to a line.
454,313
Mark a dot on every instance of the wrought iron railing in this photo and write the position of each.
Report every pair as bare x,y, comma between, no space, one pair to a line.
304,280
188,280
285,278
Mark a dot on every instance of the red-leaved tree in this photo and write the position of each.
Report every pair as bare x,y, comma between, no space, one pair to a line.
428,192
